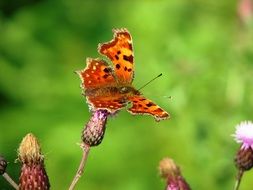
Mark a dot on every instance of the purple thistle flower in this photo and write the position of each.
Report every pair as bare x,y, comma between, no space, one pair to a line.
92,135
244,156
244,134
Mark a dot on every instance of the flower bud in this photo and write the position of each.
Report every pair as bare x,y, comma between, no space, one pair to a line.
33,174
168,168
93,133
244,159
171,172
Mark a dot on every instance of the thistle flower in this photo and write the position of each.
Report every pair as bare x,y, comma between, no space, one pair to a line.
93,133
244,136
33,174
172,174
244,156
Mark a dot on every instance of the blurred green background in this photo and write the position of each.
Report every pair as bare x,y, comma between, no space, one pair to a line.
204,50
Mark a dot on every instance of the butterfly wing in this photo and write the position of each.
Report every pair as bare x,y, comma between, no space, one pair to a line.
97,74
120,52
110,103
141,105
99,84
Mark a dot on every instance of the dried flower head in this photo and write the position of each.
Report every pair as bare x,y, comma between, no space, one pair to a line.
244,134
33,174
171,172
167,167
29,150
93,133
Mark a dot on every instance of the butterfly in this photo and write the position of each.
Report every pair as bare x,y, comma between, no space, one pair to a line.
110,87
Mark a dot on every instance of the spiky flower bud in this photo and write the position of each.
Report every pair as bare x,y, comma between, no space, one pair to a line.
93,133
3,165
244,159
172,174
33,174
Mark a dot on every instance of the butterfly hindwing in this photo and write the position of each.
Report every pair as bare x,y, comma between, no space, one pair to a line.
110,103
120,52
141,105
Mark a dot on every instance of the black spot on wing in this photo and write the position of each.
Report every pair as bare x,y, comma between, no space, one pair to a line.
117,66
107,70
158,110
128,58
150,104
105,76
130,46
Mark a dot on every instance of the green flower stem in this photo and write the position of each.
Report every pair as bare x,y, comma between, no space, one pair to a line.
238,180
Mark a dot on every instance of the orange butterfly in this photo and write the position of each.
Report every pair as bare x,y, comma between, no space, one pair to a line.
110,87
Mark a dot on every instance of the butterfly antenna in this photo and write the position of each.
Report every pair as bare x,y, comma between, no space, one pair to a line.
150,81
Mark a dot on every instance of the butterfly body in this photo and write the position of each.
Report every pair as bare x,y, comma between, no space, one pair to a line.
110,87
126,91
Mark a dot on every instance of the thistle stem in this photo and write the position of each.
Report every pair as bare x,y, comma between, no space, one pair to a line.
238,180
86,149
10,181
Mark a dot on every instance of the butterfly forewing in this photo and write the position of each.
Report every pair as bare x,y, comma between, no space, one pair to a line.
97,74
120,52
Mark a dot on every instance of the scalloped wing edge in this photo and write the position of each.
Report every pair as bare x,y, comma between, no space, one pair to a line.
88,63
155,117
115,31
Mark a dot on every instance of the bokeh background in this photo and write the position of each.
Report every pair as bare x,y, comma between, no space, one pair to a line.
204,50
